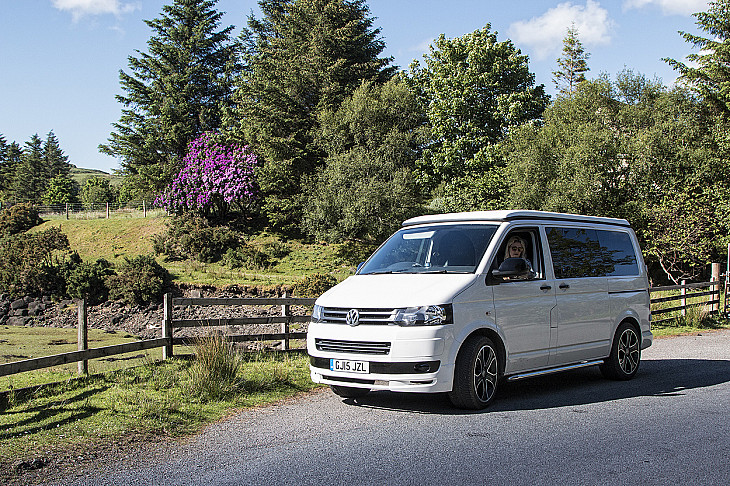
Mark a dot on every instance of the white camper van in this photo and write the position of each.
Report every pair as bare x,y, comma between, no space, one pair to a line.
457,302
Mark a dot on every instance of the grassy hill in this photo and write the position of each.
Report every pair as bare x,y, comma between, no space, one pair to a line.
80,175
115,238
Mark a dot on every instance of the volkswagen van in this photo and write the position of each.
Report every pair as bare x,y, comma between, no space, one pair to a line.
459,302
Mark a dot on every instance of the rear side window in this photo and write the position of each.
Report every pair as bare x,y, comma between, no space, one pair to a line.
579,252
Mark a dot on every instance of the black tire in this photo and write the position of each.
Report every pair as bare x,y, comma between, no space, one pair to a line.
623,362
349,391
476,375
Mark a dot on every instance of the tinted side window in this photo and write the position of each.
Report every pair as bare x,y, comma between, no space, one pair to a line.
574,252
623,258
580,252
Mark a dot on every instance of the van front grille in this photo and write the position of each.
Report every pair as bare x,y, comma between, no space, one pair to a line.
354,347
337,315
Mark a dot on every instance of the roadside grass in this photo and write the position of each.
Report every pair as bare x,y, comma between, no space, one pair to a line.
159,399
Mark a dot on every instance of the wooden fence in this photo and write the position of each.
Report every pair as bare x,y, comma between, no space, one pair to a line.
167,341
285,319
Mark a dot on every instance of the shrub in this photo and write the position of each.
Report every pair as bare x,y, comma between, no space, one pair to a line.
246,256
192,237
355,252
139,280
88,281
215,176
29,264
314,285
18,219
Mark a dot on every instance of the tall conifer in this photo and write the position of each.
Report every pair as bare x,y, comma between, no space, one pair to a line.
173,92
302,57
573,65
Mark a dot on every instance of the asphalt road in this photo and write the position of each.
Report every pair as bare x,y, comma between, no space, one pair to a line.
670,425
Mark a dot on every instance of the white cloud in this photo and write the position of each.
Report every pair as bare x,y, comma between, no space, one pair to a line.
81,8
669,7
544,35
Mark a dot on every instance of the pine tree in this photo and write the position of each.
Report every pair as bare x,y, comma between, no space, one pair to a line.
8,166
572,66
303,57
30,181
174,92
711,76
56,163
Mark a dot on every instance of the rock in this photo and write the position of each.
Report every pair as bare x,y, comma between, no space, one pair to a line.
18,304
18,321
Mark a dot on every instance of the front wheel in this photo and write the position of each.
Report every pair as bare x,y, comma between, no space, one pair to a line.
623,362
476,374
349,391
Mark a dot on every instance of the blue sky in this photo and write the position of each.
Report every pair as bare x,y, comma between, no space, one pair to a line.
61,58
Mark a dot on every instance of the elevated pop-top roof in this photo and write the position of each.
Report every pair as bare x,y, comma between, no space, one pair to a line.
499,216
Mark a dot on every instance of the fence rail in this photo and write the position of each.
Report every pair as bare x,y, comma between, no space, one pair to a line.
167,341
684,296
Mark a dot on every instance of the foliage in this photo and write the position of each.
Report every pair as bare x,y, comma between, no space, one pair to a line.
215,178
61,190
475,89
246,256
55,162
706,71
139,280
18,219
474,191
192,237
630,149
354,252
314,285
98,190
302,57
572,66
29,181
28,265
10,156
215,372
174,92
367,186
88,281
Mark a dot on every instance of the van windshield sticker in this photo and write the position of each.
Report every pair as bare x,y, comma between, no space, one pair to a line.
423,235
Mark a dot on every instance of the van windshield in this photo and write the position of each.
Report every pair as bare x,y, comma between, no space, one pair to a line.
452,248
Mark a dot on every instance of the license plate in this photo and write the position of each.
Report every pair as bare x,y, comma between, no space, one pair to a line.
349,365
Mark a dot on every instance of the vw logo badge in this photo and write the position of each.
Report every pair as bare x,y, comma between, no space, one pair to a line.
353,317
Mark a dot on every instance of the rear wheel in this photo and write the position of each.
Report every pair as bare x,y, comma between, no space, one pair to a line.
349,391
623,362
476,374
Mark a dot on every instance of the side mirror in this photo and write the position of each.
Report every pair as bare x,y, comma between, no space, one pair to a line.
513,267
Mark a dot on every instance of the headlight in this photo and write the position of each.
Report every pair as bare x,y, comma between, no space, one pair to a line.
317,313
431,315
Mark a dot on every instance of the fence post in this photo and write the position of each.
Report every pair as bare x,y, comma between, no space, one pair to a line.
144,208
285,325
715,278
83,336
66,210
107,210
167,326
683,300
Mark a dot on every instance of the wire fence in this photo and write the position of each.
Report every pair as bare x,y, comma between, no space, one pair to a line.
133,209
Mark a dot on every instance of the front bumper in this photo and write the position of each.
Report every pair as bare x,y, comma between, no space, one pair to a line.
414,361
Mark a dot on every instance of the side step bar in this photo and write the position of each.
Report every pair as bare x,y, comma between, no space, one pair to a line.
576,366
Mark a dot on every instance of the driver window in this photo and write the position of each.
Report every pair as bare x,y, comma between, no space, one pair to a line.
522,243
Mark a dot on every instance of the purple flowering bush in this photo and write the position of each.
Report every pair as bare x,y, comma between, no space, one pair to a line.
215,179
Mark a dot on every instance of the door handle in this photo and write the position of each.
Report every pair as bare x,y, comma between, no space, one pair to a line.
564,286
546,287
